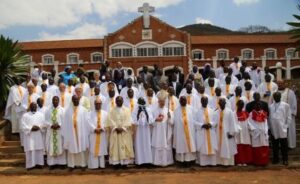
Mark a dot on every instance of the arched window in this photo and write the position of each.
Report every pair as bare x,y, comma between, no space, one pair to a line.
73,58
173,48
48,59
222,54
121,49
291,53
147,49
270,53
96,57
247,53
198,54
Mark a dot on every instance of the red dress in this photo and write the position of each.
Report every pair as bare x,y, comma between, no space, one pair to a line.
244,151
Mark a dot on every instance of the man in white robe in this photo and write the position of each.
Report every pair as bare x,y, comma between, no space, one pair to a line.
172,101
210,89
226,130
83,100
129,85
74,131
97,128
52,88
110,101
161,140
54,116
46,96
279,120
65,98
32,125
248,92
121,144
142,120
130,102
228,88
192,99
14,101
266,89
108,85
96,96
288,96
237,96
84,86
151,99
206,138
70,88
184,132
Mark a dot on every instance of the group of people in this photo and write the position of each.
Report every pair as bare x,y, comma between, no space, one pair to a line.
212,117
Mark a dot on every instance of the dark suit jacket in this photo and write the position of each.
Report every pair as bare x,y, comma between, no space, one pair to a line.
177,89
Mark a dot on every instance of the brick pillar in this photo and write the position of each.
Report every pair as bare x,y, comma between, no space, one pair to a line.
278,71
263,61
288,67
215,65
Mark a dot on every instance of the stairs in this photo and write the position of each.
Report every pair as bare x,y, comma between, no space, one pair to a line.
12,154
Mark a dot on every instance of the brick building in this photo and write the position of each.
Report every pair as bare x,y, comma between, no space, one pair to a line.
159,43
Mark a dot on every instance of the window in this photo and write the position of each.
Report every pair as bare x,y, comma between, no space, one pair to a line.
173,48
222,54
116,52
291,53
198,54
48,59
270,53
247,54
147,48
96,57
168,51
121,49
73,58
127,52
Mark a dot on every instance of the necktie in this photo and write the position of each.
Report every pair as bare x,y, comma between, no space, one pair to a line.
227,89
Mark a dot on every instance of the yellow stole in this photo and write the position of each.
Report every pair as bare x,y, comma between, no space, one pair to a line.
75,123
98,136
69,89
62,99
131,104
207,121
227,89
237,98
20,92
212,91
248,95
188,98
92,92
43,97
186,128
221,128
269,88
34,89
171,105
149,100
29,100
81,86
112,103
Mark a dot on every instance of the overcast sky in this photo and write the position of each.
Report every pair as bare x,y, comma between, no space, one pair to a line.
27,20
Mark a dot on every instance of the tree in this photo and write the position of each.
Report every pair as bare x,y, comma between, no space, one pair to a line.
255,29
13,66
295,31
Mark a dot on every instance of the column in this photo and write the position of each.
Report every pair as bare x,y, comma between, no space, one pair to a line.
278,71
215,64
288,67
31,66
263,61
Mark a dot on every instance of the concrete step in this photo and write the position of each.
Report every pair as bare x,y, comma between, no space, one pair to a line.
11,143
11,149
12,162
11,155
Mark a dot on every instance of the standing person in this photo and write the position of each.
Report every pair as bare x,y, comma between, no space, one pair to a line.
259,134
121,145
220,70
75,134
243,139
97,128
142,120
65,98
54,116
68,75
84,86
206,138
129,85
184,132
192,98
52,88
238,96
83,100
288,96
97,95
46,96
162,133
235,66
130,102
110,101
226,130
176,85
32,125
172,100
279,120
151,99
267,88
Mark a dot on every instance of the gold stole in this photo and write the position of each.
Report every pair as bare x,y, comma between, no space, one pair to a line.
43,97
186,128
112,103
34,89
221,128
69,89
62,99
98,136
269,86
237,98
227,89
20,92
207,121
81,86
29,100
131,104
217,102
172,105
75,123
91,91
150,100
248,95
188,98
212,91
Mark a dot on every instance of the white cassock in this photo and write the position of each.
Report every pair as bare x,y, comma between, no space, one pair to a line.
242,84
124,90
74,131
33,141
214,102
142,139
151,102
130,103
85,88
53,89
206,139
172,102
14,100
85,102
234,80
255,77
264,87
184,134
141,91
226,147
280,119
184,93
210,91
120,145
234,99
56,155
37,90
70,90
41,81
217,83
47,97
228,89
248,95
263,74
91,92
235,67
110,104
192,100
290,98
104,89
161,140
96,97
65,99
258,131
97,142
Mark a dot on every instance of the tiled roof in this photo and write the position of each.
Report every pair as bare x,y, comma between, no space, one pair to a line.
238,39
61,44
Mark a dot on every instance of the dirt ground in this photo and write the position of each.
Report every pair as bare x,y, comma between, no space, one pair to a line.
254,177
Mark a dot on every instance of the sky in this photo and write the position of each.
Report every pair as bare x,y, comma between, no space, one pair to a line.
32,20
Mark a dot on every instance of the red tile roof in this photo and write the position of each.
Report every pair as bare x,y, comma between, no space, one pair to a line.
238,39
61,44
